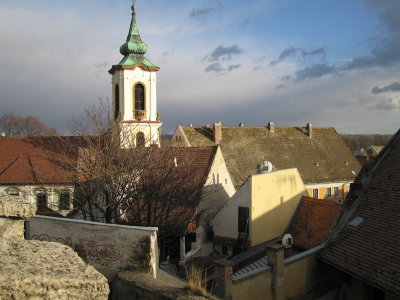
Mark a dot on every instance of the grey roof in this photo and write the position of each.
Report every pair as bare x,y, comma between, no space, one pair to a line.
252,269
322,158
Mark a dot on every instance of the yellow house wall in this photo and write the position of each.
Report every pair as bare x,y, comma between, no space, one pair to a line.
275,197
343,190
298,276
257,287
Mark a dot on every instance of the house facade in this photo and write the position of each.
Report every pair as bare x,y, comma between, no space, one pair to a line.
259,211
28,169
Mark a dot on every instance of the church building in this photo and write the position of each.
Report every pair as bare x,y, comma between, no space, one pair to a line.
134,94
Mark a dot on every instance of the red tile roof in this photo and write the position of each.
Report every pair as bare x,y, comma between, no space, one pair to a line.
31,160
370,251
312,221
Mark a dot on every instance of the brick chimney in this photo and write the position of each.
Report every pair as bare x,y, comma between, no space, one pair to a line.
309,128
217,132
271,126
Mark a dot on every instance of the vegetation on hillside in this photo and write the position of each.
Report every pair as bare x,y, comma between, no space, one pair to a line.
356,142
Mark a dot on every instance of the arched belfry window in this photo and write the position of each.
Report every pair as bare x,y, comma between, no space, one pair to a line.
140,140
139,96
116,104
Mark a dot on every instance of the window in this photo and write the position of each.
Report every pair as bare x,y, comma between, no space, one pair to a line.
13,191
116,104
64,200
140,140
243,220
41,199
315,193
139,97
336,191
328,192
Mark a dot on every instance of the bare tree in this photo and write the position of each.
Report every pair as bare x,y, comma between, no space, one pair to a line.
145,186
29,126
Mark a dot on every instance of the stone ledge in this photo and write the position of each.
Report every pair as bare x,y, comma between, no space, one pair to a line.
16,207
136,285
46,270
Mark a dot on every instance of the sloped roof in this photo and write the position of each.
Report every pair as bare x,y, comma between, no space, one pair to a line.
365,241
193,163
31,160
312,221
322,158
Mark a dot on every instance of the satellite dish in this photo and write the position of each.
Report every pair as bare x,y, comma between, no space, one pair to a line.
287,240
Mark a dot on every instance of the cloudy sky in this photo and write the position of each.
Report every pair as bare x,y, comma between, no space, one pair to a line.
332,63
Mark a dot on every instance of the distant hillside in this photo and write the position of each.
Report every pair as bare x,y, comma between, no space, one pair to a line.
358,141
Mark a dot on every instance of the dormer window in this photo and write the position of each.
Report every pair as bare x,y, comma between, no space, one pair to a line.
139,96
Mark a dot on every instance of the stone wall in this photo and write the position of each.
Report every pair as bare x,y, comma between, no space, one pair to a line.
107,247
39,270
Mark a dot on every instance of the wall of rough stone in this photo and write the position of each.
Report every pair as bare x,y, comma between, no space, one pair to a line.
107,247
40,270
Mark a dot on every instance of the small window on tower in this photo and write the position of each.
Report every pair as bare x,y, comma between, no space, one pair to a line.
140,140
139,96
116,104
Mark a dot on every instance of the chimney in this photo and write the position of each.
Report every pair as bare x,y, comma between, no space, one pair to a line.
309,130
271,126
217,132
223,278
275,257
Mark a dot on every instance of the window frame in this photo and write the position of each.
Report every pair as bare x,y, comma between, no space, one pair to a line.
315,193
41,193
139,104
61,205
243,225
116,102
336,191
328,192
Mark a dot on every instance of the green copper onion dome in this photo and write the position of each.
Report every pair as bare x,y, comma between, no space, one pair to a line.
133,42
134,49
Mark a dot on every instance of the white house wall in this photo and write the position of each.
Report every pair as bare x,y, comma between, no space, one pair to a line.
225,223
179,138
28,192
216,192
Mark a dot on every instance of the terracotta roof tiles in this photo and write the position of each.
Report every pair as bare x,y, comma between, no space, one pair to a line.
30,160
312,221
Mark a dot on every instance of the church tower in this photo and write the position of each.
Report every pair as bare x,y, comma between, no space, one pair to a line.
134,96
